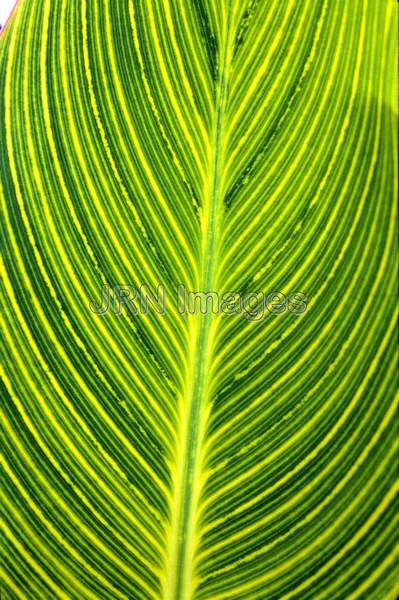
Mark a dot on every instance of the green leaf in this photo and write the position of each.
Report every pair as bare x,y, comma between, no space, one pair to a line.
240,148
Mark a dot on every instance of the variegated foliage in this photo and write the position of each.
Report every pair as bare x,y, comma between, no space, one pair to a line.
225,145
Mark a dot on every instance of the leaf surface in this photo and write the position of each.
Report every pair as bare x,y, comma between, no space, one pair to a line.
238,147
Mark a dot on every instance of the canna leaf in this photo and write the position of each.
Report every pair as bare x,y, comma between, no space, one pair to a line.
243,446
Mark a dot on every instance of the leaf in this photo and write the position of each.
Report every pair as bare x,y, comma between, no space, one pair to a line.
240,148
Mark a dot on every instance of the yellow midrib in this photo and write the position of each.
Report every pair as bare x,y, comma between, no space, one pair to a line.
180,576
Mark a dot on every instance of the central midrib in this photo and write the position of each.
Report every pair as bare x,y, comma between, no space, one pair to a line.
182,542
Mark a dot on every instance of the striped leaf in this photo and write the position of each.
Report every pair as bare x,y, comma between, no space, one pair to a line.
242,147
